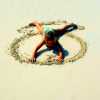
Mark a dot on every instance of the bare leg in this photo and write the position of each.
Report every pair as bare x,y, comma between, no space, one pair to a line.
39,27
70,26
65,28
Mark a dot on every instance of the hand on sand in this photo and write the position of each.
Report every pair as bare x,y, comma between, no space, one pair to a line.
59,59
33,59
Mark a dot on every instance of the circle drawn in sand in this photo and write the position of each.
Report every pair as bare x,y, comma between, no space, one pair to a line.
29,32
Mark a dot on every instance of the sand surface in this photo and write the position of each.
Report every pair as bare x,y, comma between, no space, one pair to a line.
72,46
69,81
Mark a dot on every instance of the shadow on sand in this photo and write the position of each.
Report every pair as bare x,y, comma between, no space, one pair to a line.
55,51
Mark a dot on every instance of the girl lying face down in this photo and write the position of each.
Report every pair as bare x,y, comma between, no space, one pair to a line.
49,38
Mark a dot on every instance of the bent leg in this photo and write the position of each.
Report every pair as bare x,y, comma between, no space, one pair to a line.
39,27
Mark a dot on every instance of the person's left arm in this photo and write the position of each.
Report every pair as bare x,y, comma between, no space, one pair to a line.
60,58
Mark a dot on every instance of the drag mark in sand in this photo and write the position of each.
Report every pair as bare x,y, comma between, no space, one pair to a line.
14,47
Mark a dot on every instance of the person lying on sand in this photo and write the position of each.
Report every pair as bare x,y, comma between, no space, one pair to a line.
49,38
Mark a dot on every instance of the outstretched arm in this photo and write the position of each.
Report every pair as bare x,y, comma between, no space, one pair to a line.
60,58
36,49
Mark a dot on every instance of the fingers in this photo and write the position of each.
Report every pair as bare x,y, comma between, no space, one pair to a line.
32,59
59,60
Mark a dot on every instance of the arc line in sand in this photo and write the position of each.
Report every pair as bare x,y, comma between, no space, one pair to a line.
14,47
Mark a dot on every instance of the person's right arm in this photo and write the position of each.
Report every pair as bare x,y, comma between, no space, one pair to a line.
36,49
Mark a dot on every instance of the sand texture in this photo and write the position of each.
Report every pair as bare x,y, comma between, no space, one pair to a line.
76,78
31,31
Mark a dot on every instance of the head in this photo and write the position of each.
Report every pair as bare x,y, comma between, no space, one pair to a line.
50,38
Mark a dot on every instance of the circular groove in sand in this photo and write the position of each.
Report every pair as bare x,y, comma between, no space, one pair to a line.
14,47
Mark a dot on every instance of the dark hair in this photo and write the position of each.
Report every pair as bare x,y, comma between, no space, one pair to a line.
50,35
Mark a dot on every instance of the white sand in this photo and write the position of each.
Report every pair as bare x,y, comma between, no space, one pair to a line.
72,81
22,47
